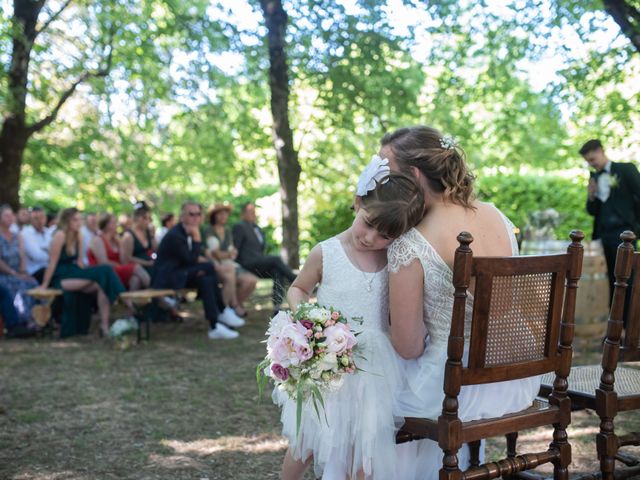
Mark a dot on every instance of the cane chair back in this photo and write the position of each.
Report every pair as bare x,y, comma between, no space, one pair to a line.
518,302
528,302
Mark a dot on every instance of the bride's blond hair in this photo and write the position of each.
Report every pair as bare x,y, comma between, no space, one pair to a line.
440,160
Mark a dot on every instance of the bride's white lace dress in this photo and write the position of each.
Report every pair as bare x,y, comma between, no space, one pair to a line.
359,432
422,392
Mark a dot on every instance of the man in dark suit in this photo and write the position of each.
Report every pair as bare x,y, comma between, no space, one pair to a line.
613,199
178,266
249,240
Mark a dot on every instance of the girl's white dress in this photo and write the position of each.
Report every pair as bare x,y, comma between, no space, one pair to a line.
422,393
359,434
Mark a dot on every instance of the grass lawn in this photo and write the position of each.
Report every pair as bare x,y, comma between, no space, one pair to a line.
177,407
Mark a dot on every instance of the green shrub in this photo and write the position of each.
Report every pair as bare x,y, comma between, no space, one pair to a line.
519,195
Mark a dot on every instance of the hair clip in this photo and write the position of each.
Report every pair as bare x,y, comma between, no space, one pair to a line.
377,171
448,142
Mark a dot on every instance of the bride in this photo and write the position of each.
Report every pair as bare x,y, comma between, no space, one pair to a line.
421,291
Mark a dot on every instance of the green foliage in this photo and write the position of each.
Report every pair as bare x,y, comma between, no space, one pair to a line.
519,195
176,118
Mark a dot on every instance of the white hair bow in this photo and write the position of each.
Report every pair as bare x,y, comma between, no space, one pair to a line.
373,174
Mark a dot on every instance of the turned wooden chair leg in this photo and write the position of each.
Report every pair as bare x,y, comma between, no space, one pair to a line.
450,469
561,444
474,453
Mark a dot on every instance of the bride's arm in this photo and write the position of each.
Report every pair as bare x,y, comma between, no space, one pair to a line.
406,302
310,275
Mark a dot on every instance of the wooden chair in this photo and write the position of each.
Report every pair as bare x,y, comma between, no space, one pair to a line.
522,325
609,388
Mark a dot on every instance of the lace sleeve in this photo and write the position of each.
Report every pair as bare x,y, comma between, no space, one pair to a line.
401,253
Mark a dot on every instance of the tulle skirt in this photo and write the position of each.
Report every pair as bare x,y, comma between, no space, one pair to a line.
358,434
422,393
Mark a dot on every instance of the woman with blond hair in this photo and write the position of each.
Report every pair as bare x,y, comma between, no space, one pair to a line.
421,290
66,271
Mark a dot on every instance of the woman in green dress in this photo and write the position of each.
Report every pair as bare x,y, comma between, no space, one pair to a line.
66,271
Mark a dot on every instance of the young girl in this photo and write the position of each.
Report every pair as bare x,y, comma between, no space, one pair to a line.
357,439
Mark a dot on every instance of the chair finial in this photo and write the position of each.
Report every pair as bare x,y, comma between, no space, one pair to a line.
577,236
465,238
627,236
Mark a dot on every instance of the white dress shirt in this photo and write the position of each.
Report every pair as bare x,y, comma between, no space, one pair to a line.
604,186
36,247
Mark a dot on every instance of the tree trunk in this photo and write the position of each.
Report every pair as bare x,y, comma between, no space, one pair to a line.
15,133
627,17
288,165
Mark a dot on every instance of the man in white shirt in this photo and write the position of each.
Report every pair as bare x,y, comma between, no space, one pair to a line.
88,230
36,238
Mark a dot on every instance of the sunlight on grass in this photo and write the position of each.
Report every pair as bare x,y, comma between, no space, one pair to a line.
209,446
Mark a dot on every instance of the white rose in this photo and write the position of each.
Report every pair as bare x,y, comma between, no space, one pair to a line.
329,361
315,314
336,382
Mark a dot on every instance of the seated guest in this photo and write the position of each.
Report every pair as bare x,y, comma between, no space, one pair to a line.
250,242
16,327
22,219
124,223
237,282
52,221
66,271
13,267
104,249
138,244
178,266
168,221
37,238
88,230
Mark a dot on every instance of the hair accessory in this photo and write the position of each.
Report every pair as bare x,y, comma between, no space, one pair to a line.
448,142
373,174
140,205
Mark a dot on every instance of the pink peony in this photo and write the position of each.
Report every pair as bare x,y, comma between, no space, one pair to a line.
304,352
279,372
339,338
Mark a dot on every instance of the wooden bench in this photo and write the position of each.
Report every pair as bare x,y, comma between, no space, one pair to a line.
42,313
141,298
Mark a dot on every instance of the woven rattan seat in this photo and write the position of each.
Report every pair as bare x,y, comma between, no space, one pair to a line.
586,379
521,326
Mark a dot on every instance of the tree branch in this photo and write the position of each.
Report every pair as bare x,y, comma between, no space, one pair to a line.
623,13
53,17
102,72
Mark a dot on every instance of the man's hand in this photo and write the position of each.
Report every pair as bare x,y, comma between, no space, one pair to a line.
592,188
194,232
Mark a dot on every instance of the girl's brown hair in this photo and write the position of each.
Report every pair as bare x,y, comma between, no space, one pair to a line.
395,205
70,237
441,162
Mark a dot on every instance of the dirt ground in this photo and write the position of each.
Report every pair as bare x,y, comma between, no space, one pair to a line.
177,407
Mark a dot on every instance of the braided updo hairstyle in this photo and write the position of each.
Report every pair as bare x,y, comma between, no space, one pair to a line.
442,163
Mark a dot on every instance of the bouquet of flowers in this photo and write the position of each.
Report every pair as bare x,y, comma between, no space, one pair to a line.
123,331
308,353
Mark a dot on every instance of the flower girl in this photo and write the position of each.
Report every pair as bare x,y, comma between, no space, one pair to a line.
354,435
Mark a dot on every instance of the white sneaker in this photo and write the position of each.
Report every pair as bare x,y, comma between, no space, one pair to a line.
222,332
230,318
